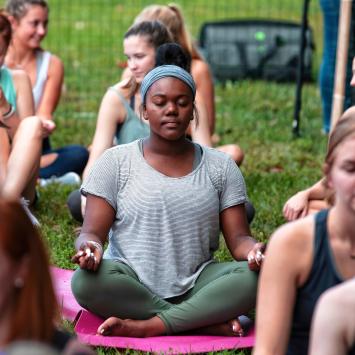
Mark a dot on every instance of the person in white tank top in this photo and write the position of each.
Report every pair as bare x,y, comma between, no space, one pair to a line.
29,20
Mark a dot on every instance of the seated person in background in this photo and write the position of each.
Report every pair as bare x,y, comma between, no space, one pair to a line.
333,325
20,133
163,201
171,16
308,256
29,19
28,306
313,199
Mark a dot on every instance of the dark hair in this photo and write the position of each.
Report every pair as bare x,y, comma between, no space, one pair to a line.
34,306
5,28
172,53
19,8
154,32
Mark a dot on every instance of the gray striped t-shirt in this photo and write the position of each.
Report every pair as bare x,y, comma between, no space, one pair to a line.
165,228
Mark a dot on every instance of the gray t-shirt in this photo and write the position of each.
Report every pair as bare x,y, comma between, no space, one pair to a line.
165,228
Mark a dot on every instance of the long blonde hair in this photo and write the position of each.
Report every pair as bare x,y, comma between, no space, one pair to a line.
171,16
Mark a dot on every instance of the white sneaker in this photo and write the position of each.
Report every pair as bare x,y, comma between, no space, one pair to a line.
70,178
33,219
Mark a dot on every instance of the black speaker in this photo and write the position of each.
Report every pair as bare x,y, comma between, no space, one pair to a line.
257,49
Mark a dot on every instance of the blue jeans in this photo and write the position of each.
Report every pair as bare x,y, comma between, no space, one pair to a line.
330,10
70,158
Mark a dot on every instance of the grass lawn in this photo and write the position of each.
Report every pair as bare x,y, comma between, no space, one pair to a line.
257,115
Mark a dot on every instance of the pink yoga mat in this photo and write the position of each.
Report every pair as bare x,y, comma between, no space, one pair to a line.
67,303
88,323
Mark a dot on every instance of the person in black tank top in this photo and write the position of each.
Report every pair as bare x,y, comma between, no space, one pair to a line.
306,257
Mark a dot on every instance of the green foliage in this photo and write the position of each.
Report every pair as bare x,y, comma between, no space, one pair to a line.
257,115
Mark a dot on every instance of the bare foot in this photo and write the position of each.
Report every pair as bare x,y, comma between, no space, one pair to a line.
132,328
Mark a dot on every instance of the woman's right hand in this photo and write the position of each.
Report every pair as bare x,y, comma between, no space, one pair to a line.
296,206
89,255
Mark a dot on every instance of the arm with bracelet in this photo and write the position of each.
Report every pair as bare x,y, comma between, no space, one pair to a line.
97,223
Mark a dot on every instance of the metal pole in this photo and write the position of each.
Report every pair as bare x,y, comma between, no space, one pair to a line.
300,70
341,61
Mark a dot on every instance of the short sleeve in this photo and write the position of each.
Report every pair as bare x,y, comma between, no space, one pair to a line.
234,189
103,178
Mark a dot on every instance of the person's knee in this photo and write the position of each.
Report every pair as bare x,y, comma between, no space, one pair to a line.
83,286
247,281
235,152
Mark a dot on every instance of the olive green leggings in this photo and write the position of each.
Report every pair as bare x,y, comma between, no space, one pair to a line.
222,292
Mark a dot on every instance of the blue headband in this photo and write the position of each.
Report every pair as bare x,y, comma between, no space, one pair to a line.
164,71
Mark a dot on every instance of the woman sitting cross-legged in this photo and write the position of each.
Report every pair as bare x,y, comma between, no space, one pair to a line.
163,201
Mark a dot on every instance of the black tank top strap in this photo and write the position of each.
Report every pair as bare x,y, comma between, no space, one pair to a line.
321,233
323,254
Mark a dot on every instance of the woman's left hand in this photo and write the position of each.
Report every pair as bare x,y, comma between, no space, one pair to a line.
256,256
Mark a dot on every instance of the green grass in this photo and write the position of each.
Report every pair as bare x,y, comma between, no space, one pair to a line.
257,115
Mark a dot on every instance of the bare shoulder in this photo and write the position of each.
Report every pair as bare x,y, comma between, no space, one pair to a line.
123,88
111,99
199,69
295,233
56,66
56,62
293,243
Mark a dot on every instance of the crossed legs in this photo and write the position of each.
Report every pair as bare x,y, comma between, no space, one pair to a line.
222,292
